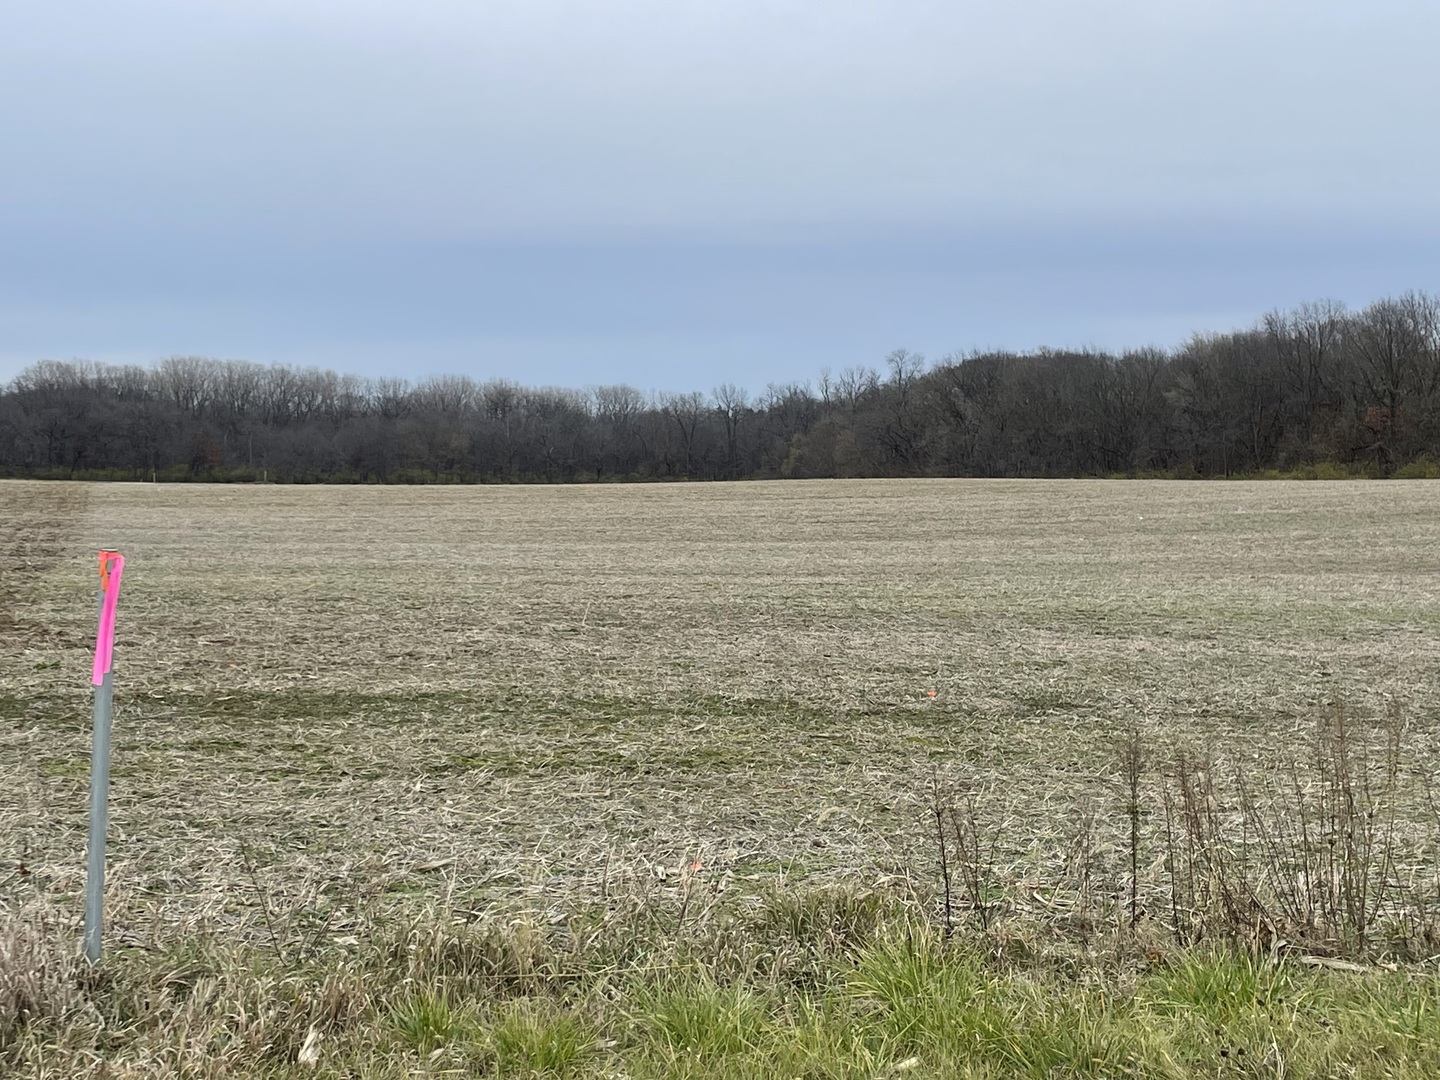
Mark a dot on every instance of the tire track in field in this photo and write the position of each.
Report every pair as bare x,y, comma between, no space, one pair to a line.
37,518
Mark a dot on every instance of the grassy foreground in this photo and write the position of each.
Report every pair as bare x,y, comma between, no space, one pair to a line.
829,983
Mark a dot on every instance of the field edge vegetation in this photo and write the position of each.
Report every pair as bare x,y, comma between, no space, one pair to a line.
822,982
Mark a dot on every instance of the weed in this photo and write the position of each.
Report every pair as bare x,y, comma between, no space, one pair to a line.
424,1020
538,1038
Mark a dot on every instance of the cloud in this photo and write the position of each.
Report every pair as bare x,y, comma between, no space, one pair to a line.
548,118
672,169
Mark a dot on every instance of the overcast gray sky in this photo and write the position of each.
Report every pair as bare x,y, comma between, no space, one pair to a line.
674,193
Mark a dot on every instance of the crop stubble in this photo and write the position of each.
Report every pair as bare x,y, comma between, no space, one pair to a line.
332,695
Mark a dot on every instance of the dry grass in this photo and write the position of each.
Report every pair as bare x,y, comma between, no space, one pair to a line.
334,702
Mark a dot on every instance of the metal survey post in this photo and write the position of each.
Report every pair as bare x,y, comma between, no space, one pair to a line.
112,565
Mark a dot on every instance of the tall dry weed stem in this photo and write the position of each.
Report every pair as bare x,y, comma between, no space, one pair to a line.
967,846
1132,766
1314,853
1306,854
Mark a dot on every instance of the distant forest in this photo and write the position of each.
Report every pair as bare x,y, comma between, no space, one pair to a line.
1314,391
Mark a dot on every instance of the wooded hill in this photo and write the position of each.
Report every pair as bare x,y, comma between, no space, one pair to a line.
1318,389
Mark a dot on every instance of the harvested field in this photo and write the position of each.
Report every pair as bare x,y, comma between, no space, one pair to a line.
333,701
528,680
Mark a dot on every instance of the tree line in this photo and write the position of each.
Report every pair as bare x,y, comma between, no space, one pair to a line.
1313,388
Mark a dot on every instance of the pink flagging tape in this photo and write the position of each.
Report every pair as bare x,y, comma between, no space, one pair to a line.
112,565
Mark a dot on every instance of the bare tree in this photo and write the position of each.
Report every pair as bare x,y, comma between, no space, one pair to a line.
731,403
687,412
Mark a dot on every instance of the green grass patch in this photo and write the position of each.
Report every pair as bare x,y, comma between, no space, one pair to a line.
822,984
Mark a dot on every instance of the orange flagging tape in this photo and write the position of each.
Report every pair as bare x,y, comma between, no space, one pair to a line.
111,570
106,559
